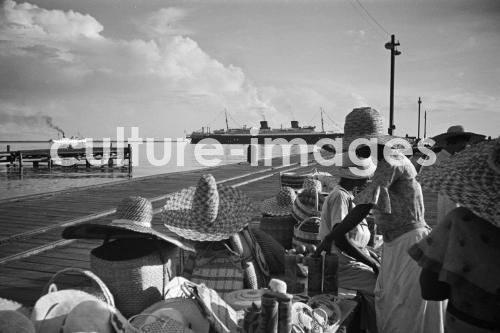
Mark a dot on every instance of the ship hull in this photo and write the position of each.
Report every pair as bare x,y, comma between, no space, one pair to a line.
309,139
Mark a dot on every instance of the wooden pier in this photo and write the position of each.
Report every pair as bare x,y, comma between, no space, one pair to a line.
31,247
68,157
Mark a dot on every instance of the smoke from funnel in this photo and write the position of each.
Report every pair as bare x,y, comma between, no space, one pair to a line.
29,120
49,122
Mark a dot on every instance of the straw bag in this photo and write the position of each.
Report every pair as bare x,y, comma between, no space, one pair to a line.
280,228
219,269
306,232
135,270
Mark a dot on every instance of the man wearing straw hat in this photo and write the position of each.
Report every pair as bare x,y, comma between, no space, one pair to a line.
453,141
358,267
398,209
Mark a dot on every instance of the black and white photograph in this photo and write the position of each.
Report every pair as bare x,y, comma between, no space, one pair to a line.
249,166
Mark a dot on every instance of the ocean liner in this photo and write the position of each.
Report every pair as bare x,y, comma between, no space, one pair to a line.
244,135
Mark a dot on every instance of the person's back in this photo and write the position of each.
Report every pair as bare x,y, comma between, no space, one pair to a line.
467,249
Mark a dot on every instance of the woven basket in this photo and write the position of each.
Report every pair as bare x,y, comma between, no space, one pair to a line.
307,232
292,179
135,270
280,228
91,284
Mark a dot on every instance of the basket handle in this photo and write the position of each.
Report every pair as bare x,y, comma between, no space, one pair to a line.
107,294
304,220
317,200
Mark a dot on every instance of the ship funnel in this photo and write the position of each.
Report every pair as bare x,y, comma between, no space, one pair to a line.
263,125
295,124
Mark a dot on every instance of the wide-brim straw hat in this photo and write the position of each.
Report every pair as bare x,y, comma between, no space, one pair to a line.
281,204
133,218
471,178
207,212
364,123
193,319
457,131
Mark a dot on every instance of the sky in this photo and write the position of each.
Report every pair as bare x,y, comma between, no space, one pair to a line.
170,67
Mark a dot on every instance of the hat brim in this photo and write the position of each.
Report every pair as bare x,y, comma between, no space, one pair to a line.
467,179
189,309
235,211
382,139
271,207
109,231
473,137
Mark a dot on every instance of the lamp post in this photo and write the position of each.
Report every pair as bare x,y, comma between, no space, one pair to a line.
394,52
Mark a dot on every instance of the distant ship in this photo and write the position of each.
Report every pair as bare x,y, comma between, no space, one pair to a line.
244,134
68,142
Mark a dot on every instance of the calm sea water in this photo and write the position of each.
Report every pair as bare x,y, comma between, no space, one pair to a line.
170,157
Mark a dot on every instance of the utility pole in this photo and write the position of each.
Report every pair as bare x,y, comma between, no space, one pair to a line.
419,102
394,52
322,124
425,124
227,124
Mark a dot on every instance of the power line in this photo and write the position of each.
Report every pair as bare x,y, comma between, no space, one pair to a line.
370,16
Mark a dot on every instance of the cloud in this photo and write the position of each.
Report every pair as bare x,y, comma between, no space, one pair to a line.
29,20
59,63
164,22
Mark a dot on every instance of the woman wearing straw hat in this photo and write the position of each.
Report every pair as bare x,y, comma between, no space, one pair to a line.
396,199
460,256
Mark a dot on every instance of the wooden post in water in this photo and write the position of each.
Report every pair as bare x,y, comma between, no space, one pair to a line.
49,162
8,148
129,160
20,157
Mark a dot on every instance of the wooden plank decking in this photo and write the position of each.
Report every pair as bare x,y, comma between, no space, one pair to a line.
31,249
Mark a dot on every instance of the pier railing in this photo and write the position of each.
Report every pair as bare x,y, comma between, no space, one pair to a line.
68,157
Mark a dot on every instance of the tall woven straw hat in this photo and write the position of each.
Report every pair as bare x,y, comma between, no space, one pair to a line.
364,123
281,204
457,131
207,212
471,178
133,217
307,204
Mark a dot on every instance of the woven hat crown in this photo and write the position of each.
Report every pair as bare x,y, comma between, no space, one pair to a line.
362,122
206,199
310,183
285,197
456,129
137,209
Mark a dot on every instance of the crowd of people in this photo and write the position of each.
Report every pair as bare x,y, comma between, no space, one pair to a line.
442,280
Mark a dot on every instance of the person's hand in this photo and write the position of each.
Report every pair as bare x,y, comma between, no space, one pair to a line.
376,268
325,245
375,256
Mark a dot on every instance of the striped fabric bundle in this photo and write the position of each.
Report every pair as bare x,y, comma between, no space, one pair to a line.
219,269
